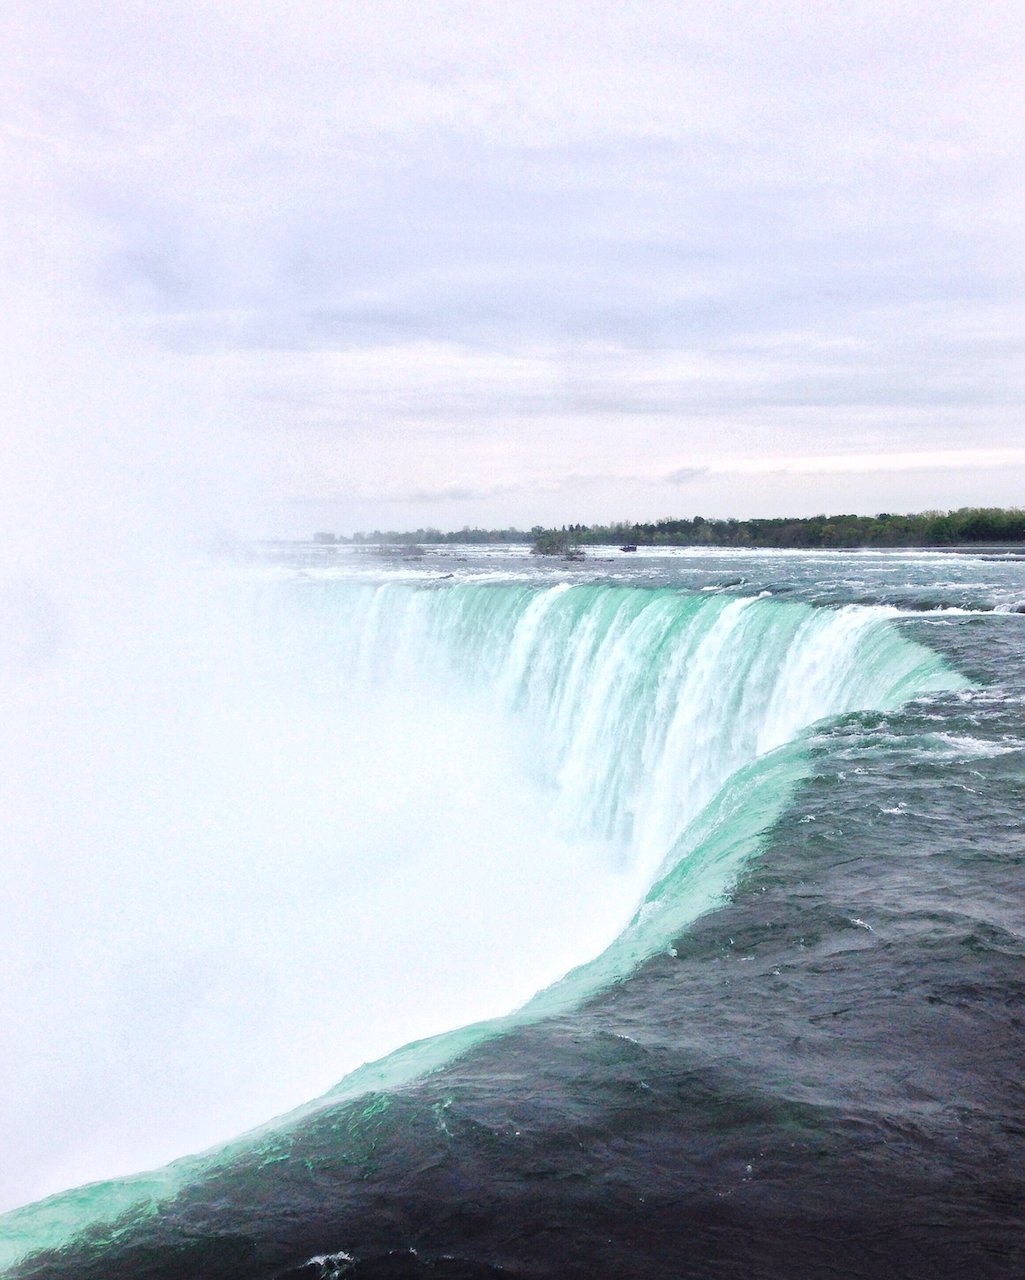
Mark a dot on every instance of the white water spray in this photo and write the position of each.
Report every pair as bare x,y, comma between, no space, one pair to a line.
362,814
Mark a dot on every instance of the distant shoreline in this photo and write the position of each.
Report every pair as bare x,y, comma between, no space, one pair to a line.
969,530
988,550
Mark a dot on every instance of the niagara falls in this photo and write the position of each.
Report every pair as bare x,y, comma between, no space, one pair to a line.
428,815
512,640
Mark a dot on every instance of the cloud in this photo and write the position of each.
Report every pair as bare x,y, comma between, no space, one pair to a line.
685,475
459,493
956,460
492,250
441,493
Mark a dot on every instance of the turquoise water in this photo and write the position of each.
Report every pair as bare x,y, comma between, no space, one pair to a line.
665,725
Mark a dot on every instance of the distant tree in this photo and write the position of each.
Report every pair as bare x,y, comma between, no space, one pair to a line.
556,542
928,528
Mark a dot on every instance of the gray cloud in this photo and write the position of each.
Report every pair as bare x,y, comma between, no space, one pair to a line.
460,493
686,475
753,226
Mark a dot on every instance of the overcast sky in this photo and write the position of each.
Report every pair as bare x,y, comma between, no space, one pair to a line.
404,263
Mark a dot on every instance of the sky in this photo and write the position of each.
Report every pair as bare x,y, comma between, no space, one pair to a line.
274,268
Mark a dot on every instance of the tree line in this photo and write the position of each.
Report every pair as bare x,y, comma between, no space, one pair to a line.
924,529
967,525
426,537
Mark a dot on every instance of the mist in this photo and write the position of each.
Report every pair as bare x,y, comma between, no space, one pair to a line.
229,875
228,886
231,871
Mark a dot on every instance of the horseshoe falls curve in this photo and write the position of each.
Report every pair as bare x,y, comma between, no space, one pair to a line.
495,796
664,729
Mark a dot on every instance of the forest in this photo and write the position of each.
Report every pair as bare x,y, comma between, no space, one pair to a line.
965,526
